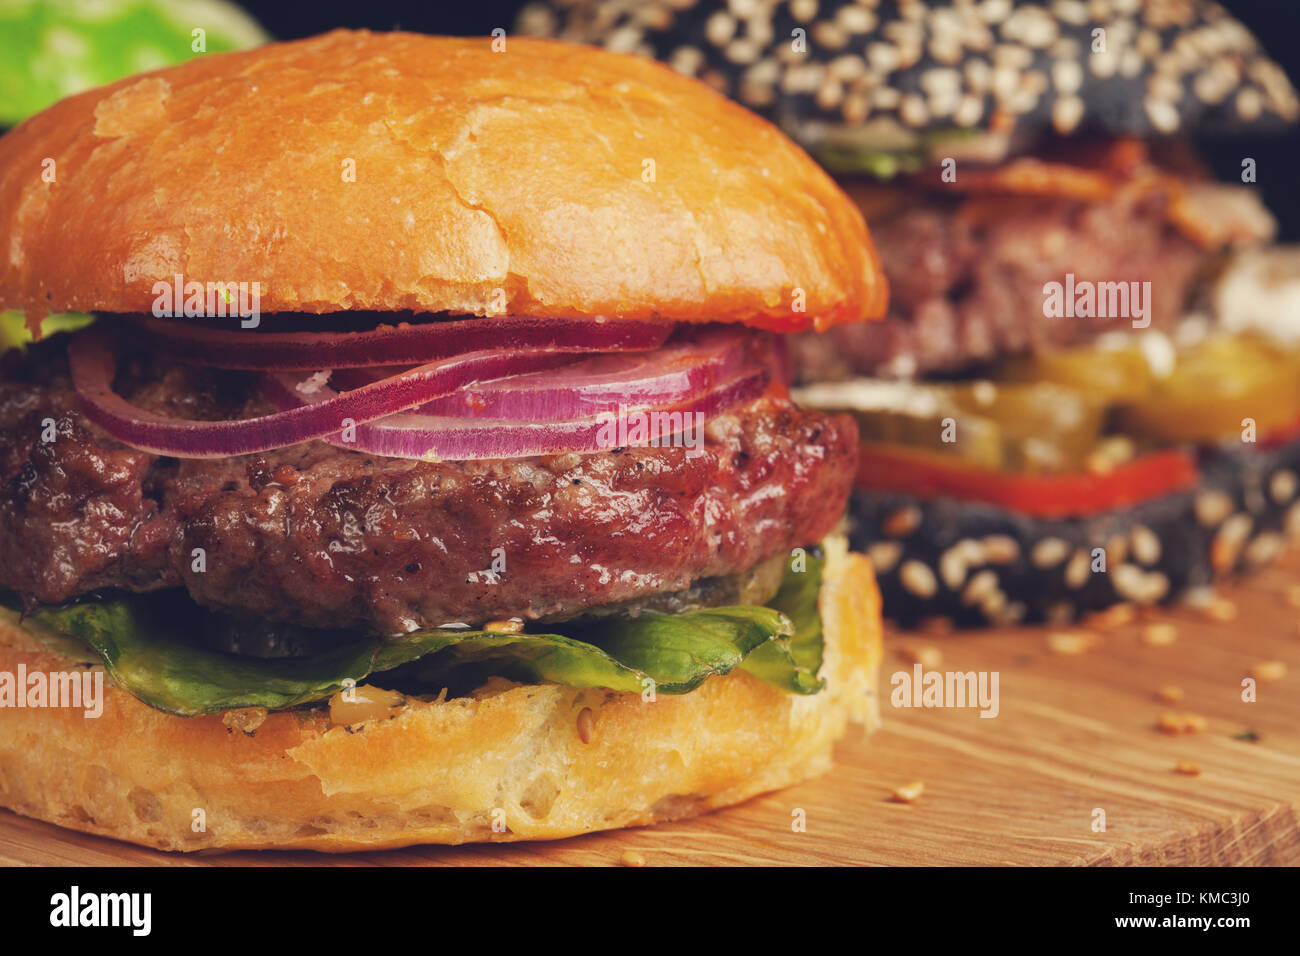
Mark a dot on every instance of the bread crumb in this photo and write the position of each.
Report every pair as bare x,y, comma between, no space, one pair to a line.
1189,768
1159,635
632,858
909,792
1170,694
1221,609
1071,642
928,657
1269,670
1171,723
1117,615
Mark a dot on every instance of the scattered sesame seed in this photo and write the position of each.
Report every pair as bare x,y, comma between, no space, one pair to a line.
1117,615
1221,609
1071,643
928,656
1159,635
908,793
1170,694
586,725
1269,670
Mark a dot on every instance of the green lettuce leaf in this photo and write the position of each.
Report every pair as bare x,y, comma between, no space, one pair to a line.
14,333
793,664
147,649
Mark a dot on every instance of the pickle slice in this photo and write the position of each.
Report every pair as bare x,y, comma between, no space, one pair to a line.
1110,376
1215,386
1031,427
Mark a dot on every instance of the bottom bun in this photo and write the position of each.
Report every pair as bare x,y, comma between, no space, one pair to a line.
442,771
984,565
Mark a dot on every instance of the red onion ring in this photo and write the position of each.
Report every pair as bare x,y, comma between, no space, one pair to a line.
665,377
432,438
93,364
395,345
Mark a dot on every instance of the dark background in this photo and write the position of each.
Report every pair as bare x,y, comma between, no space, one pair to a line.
1275,22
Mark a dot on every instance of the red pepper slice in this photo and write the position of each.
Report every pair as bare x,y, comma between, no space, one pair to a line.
926,475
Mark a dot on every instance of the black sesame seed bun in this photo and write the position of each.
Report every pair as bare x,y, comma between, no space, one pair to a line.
884,73
973,564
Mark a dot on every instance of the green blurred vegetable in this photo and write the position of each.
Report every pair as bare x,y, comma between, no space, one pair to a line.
50,49
14,333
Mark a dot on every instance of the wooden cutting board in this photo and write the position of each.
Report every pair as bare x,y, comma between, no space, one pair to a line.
1076,733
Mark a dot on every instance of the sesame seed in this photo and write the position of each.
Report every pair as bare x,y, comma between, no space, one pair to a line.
902,522
1146,546
1000,548
1048,553
929,656
1163,115
909,792
1212,507
918,579
1282,486
1221,609
632,858
1189,768
1071,643
1159,635
1250,104
1264,548
1269,670
586,725
1076,572
1170,694
720,28
1227,543
884,555
1117,615
979,587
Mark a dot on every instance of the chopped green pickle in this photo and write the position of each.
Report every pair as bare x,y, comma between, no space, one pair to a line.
148,647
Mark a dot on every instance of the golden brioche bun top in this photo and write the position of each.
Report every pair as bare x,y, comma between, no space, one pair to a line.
398,171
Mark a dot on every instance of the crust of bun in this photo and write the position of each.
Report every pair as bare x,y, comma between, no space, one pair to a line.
441,771
397,171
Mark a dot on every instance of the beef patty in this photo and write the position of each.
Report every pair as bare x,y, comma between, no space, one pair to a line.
966,280
324,537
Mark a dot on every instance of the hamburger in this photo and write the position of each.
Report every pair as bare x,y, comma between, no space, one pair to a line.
428,473
1085,390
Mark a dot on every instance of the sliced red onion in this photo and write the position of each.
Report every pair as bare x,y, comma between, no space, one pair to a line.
430,437
395,345
93,363
665,377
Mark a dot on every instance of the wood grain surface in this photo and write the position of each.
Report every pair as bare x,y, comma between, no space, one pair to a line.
1075,733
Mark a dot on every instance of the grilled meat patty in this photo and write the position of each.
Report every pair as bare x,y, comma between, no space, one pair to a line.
966,281
324,537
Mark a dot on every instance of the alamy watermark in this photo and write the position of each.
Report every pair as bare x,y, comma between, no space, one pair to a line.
78,690
192,300
652,428
1082,299
921,688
